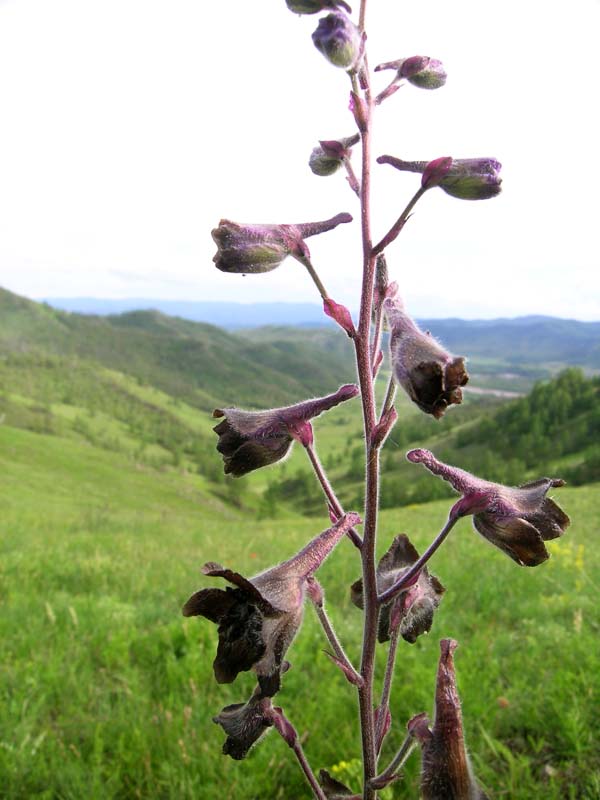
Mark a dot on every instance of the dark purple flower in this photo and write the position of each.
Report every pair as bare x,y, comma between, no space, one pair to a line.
430,375
252,439
466,178
244,724
260,248
413,608
339,40
446,773
518,520
259,618
329,156
314,6
422,71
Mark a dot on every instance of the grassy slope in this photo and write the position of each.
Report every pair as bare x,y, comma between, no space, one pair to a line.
108,692
198,363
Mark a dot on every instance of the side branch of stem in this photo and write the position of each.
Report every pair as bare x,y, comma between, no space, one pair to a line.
407,577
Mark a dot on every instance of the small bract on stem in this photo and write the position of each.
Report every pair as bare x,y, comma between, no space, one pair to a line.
259,617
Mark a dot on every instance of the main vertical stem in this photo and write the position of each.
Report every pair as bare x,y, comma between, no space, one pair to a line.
365,377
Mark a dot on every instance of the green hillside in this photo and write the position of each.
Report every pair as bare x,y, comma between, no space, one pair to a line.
112,496
201,364
127,384
108,692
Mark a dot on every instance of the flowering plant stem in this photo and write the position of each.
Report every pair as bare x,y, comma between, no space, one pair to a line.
258,620
306,769
398,760
410,573
365,379
394,231
334,503
333,640
387,687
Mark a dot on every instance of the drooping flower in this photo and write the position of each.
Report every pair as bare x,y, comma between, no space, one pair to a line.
258,619
422,71
446,772
430,375
465,178
329,156
251,249
518,520
244,724
314,6
412,610
339,40
252,439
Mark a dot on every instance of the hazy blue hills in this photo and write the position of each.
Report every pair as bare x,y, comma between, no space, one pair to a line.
225,315
526,340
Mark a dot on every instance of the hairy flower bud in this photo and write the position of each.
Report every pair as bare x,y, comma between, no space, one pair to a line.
314,6
260,248
422,71
518,520
446,772
430,375
339,40
329,156
464,178
252,439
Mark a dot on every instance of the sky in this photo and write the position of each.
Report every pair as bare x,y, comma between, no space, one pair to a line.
128,128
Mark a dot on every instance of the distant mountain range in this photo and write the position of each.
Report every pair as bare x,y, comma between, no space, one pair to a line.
522,340
225,315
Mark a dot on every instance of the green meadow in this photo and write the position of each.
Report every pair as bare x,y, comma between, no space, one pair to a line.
112,496
108,691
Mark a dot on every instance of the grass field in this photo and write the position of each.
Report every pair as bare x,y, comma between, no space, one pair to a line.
107,691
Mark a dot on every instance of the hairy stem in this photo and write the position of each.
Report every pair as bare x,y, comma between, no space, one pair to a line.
309,774
393,232
398,760
335,642
362,14
352,179
406,579
316,280
365,377
329,493
376,341
390,394
387,686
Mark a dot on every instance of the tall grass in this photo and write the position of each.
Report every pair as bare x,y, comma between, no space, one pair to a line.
107,690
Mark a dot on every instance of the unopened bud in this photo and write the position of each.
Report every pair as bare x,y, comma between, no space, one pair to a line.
339,40
329,156
341,315
465,178
423,72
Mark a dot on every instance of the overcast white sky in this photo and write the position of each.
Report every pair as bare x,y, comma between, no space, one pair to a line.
129,127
